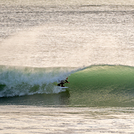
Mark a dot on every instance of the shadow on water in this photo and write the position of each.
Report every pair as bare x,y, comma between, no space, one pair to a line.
59,99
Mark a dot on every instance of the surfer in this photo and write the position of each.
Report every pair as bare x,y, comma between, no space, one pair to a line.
63,82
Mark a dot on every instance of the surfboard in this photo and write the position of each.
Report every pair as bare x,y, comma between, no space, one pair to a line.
63,87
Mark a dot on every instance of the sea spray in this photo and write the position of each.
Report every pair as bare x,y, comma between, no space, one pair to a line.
18,81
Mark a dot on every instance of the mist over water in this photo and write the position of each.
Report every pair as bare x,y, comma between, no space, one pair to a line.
72,36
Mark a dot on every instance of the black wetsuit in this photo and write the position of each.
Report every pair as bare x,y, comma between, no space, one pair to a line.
62,82
66,81
58,84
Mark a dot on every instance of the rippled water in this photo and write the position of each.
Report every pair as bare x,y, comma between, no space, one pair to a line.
43,36
82,41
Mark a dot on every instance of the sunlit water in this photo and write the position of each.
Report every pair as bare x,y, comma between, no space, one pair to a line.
70,39
22,119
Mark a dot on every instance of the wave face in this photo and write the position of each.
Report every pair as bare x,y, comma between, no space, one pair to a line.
101,85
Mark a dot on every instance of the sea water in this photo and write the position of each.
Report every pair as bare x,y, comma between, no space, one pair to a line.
42,43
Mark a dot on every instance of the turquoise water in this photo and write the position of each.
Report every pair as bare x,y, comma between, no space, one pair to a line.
98,85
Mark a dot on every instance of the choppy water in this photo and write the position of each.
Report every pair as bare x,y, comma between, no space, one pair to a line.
92,45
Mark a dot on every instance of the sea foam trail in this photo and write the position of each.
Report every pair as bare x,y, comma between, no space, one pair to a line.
16,81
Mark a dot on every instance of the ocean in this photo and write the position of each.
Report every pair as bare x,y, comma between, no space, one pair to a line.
44,42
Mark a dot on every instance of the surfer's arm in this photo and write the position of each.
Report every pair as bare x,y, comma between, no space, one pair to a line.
66,81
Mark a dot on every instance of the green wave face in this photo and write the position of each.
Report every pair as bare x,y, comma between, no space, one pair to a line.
103,86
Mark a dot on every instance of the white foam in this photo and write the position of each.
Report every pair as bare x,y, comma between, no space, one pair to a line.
20,82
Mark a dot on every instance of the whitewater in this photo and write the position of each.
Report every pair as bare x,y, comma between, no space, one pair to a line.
43,42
